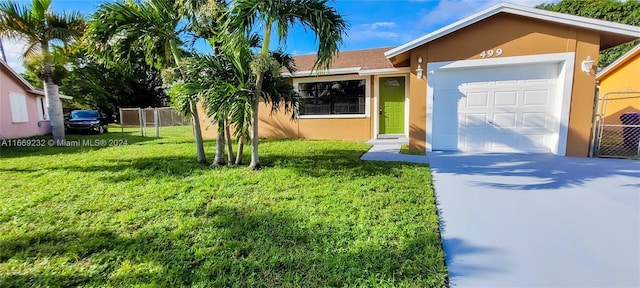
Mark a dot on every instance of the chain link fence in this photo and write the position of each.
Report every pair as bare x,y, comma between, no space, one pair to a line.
152,121
617,125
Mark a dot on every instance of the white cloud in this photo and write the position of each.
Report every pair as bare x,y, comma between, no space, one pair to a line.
383,25
373,30
297,52
449,11
14,51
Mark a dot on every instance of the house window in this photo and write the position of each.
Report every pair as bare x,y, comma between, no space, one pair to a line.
333,97
43,114
19,111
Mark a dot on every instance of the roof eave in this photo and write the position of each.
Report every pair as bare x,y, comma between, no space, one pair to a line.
40,92
623,59
587,23
326,72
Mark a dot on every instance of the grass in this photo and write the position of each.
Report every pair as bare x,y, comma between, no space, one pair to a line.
146,215
404,149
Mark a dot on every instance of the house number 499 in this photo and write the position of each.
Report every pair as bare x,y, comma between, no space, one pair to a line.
491,53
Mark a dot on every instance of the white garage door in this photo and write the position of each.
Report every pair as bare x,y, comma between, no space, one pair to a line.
497,109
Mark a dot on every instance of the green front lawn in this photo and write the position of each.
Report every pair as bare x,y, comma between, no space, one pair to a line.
147,215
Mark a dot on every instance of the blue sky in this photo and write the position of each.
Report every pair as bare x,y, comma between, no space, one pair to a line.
372,23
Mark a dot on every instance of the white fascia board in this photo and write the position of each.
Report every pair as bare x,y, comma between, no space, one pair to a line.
584,22
617,62
384,71
502,61
441,32
336,71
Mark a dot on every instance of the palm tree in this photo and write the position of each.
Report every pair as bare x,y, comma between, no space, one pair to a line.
156,27
325,21
225,85
41,27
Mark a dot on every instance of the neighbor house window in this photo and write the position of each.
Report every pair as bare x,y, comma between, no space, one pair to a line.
19,111
42,109
333,97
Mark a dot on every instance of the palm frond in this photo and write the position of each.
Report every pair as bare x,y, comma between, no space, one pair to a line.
327,24
17,22
38,25
285,60
64,27
119,31
32,49
315,15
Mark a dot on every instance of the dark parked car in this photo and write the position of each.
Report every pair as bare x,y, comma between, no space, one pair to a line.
86,121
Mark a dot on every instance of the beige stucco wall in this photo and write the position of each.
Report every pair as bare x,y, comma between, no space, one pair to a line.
516,36
279,125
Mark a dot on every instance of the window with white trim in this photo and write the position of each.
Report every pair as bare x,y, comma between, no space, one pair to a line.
333,97
43,114
19,111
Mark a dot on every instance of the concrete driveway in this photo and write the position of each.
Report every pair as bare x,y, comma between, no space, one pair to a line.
521,220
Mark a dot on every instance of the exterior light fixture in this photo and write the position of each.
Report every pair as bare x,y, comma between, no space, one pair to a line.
419,69
587,64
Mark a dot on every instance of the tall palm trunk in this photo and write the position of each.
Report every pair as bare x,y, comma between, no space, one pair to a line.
197,133
255,162
227,138
219,158
193,108
240,148
54,105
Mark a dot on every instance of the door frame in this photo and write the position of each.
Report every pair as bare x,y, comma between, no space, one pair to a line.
376,104
563,89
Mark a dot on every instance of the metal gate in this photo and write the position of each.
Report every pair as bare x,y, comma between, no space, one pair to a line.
617,125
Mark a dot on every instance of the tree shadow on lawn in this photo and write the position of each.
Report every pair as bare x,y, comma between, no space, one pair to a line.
336,162
76,144
119,170
225,245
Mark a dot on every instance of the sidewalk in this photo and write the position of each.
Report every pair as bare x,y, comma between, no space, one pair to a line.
389,150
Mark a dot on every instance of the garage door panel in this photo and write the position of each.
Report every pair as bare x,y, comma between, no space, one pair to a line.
472,123
503,142
504,120
536,97
467,142
535,120
476,99
498,109
505,98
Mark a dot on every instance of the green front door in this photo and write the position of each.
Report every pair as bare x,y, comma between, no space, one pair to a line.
392,105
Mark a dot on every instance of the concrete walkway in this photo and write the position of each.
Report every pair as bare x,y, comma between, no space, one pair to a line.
527,220
389,150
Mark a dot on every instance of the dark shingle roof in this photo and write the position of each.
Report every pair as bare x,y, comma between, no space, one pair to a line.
365,59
